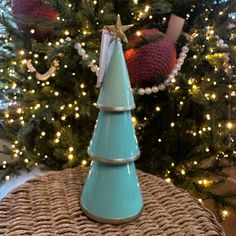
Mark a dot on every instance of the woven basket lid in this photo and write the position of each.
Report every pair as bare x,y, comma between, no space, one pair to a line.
49,205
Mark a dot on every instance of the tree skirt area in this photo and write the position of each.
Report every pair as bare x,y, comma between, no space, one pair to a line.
14,182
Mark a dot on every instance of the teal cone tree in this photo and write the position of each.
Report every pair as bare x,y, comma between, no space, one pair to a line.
112,193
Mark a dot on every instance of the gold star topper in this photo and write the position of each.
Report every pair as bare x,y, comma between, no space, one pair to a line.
118,30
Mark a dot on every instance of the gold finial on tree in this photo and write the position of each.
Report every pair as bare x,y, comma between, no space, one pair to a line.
118,30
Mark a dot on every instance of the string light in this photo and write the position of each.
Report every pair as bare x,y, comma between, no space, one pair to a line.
84,162
22,52
63,117
168,180
229,125
134,121
66,32
57,140
206,183
70,157
225,213
200,200
7,178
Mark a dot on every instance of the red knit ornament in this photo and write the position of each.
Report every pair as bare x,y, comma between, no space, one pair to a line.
29,13
150,60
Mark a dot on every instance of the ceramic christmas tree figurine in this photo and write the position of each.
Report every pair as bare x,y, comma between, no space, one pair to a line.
112,193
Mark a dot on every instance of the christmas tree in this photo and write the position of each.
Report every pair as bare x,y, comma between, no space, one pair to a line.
185,111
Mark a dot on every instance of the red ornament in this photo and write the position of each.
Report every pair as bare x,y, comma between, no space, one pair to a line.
151,59
33,14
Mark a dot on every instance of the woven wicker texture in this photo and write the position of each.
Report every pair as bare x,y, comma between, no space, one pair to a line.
49,206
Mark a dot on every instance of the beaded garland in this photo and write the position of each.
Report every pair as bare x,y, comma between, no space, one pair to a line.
45,76
171,76
141,91
81,51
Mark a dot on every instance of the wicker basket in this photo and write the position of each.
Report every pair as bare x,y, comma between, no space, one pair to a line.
49,205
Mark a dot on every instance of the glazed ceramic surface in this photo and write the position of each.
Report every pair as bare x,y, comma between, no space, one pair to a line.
114,137
112,192
116,93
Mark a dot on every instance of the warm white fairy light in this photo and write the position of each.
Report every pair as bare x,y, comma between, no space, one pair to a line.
66,32
200,200
84,162
37,106
229,125
225,213
168,180
147,8
71,157
208,116
63,117
138,33
57,140
134,120
22,52
7,178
